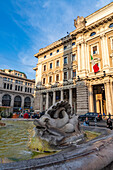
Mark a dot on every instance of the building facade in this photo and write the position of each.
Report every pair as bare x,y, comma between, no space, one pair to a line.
65,70
16,91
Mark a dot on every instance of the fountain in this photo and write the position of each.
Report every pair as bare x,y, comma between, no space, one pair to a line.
58,128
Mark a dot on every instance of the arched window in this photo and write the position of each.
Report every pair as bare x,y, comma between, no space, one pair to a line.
93,33
6,100
27,102
111,25
17,101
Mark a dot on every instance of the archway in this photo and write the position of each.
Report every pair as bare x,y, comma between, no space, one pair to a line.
6,100
17,101
27,102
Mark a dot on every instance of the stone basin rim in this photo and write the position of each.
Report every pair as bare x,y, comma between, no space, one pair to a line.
73,155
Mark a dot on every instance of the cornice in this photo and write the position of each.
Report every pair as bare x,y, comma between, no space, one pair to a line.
73,34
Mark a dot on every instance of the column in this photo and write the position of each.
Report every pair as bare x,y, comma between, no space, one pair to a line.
54,97
87,56
22,103
108,98
47,100
83,55
105,53
90,96
12,102
70,97
62,95
41,102
111,88
78,51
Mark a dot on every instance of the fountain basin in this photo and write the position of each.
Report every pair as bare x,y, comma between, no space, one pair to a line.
95,154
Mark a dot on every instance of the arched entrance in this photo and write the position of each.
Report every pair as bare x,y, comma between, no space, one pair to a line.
17,103
6,100
27,103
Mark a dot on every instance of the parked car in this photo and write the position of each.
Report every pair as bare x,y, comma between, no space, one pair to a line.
91,116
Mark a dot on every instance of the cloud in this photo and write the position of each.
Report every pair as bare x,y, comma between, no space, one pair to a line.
43,22
102,3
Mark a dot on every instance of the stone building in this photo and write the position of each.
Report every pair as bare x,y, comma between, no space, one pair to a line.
16,91
65,70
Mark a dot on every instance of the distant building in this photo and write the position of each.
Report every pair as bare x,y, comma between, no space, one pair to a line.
65,70
16,91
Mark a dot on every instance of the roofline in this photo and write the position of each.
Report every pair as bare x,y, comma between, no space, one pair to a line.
99,10
37,54
3,73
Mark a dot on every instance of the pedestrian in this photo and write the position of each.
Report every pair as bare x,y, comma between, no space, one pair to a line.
86,122
109,123
109,116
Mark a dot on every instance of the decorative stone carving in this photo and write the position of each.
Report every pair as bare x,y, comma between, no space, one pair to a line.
58,127
79,22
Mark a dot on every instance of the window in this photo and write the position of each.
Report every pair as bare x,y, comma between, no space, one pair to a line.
57,77
5,79
18,74
95,50
8,79
65,75
10,86
65,60
44,67
16,81
44,80
57,63
50,79
21,88
26,83
25,89
111,25
4,85
11,80
7,86
45,56
74,73
50,54
93,33
15,73
16,87
30,90
73,43
21,75
73,57
65,47
58,51
50,65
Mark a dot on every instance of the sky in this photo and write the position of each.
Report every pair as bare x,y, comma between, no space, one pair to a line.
28,25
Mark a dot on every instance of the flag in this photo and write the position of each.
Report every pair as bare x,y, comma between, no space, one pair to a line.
95,66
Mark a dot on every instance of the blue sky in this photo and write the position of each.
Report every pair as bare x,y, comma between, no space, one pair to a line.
28,25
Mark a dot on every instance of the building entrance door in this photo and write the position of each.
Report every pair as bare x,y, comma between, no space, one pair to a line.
99,99
99,103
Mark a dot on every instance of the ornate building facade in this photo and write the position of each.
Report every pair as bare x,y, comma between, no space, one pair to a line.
65,69
16,91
